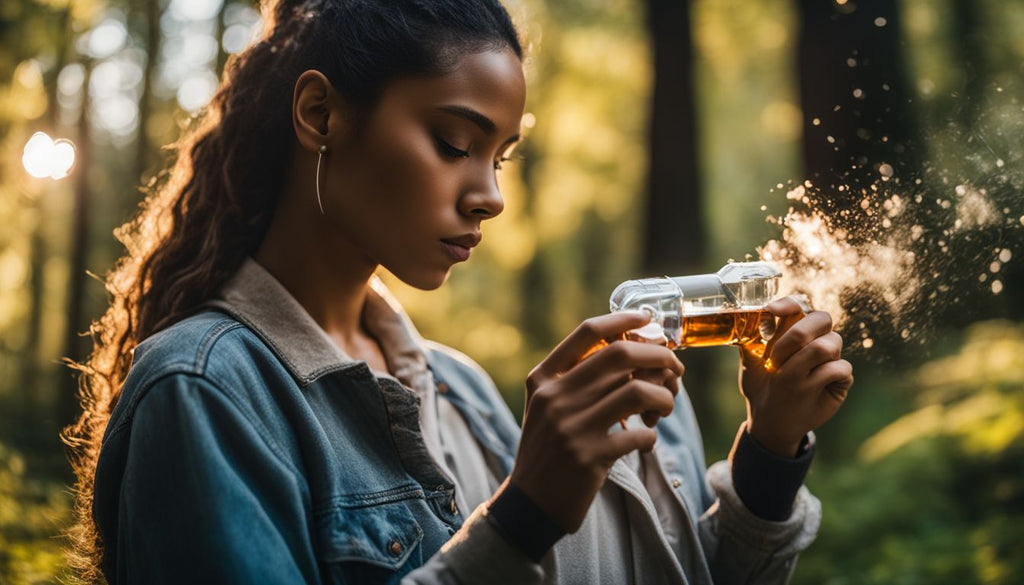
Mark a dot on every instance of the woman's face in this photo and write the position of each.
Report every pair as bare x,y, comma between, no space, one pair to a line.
411,188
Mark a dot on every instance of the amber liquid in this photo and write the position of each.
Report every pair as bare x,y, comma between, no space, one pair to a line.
746,328
726,328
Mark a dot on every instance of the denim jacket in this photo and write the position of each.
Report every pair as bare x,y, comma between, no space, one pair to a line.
246,448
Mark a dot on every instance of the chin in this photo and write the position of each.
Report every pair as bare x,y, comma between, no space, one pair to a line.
425,280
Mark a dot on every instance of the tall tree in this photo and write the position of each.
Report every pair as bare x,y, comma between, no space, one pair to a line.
674,238
675,241
854,91
143,145
74,347
970,50
861,142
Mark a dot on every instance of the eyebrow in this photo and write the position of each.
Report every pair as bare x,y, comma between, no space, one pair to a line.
485,123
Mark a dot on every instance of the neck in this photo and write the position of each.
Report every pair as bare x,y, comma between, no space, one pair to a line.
328,280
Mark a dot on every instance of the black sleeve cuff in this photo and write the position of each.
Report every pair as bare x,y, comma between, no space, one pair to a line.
766,482
522,523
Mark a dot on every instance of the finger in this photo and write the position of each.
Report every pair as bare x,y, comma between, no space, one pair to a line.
650,418
840,388
835,377
785,312
597,375
633,397
824,349
618,444
594,331
785,306
666,377
794,336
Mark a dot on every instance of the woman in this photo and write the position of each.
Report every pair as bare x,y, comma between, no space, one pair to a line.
281,421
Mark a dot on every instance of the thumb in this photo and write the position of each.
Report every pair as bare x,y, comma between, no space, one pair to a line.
752,354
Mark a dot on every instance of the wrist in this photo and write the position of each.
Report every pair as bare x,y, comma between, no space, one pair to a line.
767,483
522,523
783,446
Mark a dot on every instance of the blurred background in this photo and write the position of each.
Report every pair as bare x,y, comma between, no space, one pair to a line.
662,137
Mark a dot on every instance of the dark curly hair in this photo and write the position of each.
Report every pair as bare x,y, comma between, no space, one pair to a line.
212,205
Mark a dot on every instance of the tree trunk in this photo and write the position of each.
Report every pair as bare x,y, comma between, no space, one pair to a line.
143,147
674,238
853,87
30,361
67,406
967,41
675,242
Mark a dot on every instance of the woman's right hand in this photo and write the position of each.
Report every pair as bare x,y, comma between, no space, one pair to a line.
566,450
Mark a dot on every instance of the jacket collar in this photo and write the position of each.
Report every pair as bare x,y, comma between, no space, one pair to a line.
256,298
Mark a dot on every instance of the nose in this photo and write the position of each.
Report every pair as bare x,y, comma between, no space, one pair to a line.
483,201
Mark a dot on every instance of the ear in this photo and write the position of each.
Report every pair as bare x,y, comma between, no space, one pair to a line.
315,110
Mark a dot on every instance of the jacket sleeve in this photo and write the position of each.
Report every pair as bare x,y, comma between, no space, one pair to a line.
477,554
204,496
740,547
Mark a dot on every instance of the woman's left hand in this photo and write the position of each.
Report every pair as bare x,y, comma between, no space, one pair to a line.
806,385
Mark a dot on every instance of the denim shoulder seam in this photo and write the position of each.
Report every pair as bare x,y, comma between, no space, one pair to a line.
196,366
215,334
245,413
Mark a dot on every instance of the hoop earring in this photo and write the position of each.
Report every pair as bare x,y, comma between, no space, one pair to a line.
319,157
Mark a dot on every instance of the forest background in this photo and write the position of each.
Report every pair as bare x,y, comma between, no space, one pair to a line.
662,137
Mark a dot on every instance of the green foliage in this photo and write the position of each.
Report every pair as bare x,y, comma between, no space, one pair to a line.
937,496
32,512
930,485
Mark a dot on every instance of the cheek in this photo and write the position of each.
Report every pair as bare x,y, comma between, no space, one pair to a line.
410,174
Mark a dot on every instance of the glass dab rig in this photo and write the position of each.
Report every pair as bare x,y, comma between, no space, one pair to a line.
724,308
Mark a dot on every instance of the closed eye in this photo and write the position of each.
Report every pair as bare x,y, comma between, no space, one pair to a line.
448,150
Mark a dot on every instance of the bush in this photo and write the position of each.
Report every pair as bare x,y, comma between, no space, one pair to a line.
937,496
33,514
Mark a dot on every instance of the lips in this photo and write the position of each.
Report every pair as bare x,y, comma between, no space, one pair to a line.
466,241
458,248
